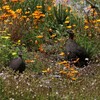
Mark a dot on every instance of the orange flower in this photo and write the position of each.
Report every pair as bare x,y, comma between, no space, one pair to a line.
67,65
41,48
72,69
49,8
38,14
14,0
63,62
29,61
39,36
63,72
4,16
74,79
0,9
85,21
69,74
21,0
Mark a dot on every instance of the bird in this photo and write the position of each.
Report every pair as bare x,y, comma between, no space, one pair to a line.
18,64
74,52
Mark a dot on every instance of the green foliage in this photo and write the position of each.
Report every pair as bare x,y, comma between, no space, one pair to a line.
30,86
91,46
8,50
60,13
5,50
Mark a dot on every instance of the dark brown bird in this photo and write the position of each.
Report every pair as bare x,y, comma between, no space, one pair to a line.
18,64
74,51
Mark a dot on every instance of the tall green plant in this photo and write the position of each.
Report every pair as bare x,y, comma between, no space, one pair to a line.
60,13
90,45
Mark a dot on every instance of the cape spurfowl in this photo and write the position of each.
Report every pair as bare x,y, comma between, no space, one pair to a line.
18,64
74,52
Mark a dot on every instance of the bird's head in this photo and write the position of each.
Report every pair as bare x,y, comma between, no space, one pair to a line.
71,34
20,54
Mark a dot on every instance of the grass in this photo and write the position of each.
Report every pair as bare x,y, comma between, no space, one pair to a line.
49,87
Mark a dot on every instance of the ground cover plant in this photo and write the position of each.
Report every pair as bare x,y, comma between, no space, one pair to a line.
38,29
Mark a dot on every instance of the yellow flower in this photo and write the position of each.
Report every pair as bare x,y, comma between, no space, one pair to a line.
10,23
14,53
91,10
23,17
29,61
62,54
63,72
19,41
86,27
69,74
63,62
0,9
11,11
74,72
6,7
39,36
55,41
98,20
5,37
67,17
38,7
27,12
18,11
74,79
48,70
74,25
66,22
66,10
95,13
60,39
9,34
53,35
86,21
69,27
